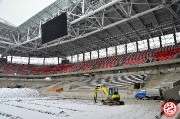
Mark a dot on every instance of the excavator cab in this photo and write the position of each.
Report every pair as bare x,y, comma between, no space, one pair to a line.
113,94
113,91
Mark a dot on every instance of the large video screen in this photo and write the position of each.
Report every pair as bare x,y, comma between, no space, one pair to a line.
54,28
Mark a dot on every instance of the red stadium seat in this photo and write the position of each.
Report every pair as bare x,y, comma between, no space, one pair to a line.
166,53
138,57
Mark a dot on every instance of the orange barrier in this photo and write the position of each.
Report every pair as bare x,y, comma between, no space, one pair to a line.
55,89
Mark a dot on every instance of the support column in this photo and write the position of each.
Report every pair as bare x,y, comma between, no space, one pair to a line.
148,44
175,40
71,59
126,48
106,52
83,56
11,58
98,53
83,6
90,54
137,48
58,60
44,61
160,41
29,60
77,57
115,50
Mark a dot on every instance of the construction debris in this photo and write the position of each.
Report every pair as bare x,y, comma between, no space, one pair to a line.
55,89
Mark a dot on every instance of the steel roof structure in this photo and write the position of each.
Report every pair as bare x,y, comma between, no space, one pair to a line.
92,25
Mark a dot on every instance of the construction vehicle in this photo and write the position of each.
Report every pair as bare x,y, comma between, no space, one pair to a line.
149,94
112,98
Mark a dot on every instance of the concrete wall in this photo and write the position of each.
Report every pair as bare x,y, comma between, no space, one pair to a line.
89,94
127,94
176,83
172,93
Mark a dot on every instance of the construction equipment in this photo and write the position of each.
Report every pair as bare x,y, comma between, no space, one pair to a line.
149,94
112,98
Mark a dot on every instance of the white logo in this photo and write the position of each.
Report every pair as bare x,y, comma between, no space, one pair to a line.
170,109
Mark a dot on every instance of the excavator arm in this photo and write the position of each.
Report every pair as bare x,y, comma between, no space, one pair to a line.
100,88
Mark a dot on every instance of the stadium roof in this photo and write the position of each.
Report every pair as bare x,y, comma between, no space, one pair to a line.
92,25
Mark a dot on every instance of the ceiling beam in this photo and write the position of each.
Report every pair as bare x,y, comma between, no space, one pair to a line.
173,12
127,23
95,11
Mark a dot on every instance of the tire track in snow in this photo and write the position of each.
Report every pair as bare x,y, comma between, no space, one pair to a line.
10,116
62,113
54,106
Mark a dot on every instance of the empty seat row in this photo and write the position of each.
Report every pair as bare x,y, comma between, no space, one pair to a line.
161,54
166,53
138,57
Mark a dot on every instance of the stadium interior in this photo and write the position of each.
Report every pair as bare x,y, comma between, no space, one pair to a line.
131,44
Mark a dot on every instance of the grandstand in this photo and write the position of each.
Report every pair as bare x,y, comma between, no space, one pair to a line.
104,37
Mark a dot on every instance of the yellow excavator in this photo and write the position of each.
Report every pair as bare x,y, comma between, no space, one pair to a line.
112,98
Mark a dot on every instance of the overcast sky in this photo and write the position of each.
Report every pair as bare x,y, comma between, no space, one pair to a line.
18,11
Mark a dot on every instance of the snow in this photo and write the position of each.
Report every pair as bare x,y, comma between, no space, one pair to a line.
17,104
18,92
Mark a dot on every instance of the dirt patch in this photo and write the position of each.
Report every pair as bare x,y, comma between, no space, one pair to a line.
55,89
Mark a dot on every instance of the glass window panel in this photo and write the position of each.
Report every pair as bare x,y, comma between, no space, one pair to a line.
121,49
24,60
60,60
142,45
102,53
154,43
52,60
87,56
178,37
34,60
18,60
111,51
74,58
94,54
131,47
8,58
69,58
167,40
80,57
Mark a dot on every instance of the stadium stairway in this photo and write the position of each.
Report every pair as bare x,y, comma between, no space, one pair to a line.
161,80
84,87
127,80
119,81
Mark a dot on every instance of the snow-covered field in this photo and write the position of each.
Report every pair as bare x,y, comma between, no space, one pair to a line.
28,104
